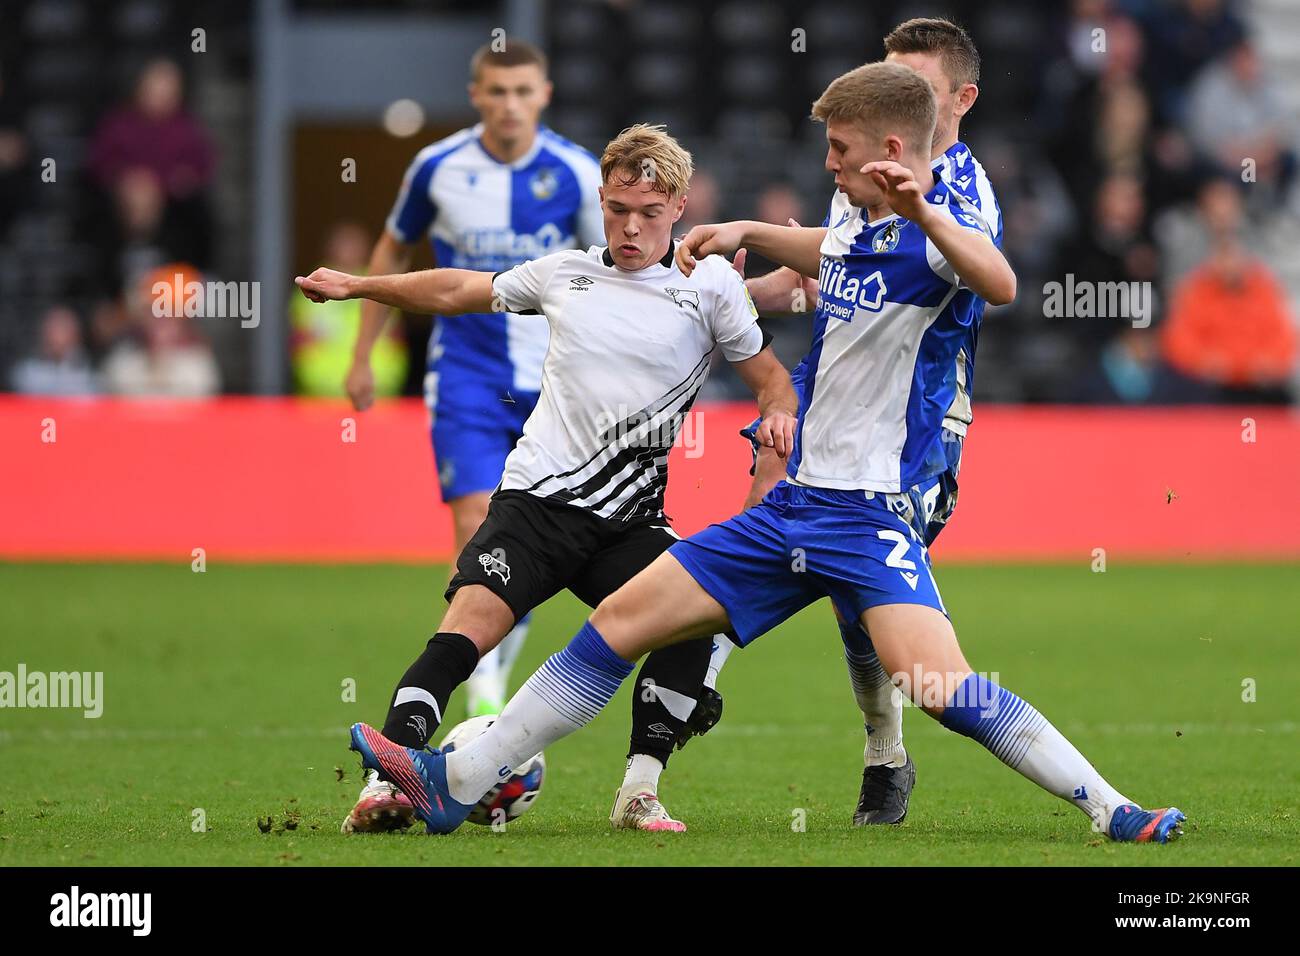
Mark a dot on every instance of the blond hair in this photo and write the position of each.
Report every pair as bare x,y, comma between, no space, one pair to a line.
885,97
643,152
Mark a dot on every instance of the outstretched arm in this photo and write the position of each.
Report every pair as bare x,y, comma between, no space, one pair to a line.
439,291
796,247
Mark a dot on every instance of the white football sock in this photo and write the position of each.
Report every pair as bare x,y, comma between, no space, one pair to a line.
508,651
642,773
722,648
1024,740
880,702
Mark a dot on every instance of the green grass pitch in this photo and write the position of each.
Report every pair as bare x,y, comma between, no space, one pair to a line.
224,693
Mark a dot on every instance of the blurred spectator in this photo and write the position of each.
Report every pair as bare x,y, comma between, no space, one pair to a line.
1037,210
1075,58
1235,113
1188,233
13,153
324,334
1184,36
142,234
154,132
60,367
1130,371
1228,326
167,356
1104,125
1080,37
1113,246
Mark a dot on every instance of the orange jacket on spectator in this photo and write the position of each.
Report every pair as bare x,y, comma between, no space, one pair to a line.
1235,333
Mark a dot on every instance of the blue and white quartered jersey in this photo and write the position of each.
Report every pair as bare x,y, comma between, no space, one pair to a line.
483,214
963,174
892,318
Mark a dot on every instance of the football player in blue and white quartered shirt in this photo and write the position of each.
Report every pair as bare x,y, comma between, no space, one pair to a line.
945,55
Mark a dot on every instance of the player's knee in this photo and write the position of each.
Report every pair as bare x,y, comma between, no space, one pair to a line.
480,615
609,616
620,618
932,691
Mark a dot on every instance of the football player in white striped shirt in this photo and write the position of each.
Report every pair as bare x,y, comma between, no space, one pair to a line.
580,505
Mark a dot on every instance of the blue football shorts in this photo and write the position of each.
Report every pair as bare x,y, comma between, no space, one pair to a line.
475,425
861,549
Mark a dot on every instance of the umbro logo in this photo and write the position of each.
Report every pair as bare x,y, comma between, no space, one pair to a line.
580,283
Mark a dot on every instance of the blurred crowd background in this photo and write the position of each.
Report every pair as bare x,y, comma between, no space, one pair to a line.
128,155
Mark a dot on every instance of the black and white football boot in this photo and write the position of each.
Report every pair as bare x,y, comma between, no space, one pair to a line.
884,795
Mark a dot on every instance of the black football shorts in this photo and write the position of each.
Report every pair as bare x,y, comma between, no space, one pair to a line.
529,549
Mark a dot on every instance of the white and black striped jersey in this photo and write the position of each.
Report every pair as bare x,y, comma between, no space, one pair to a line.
628,354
